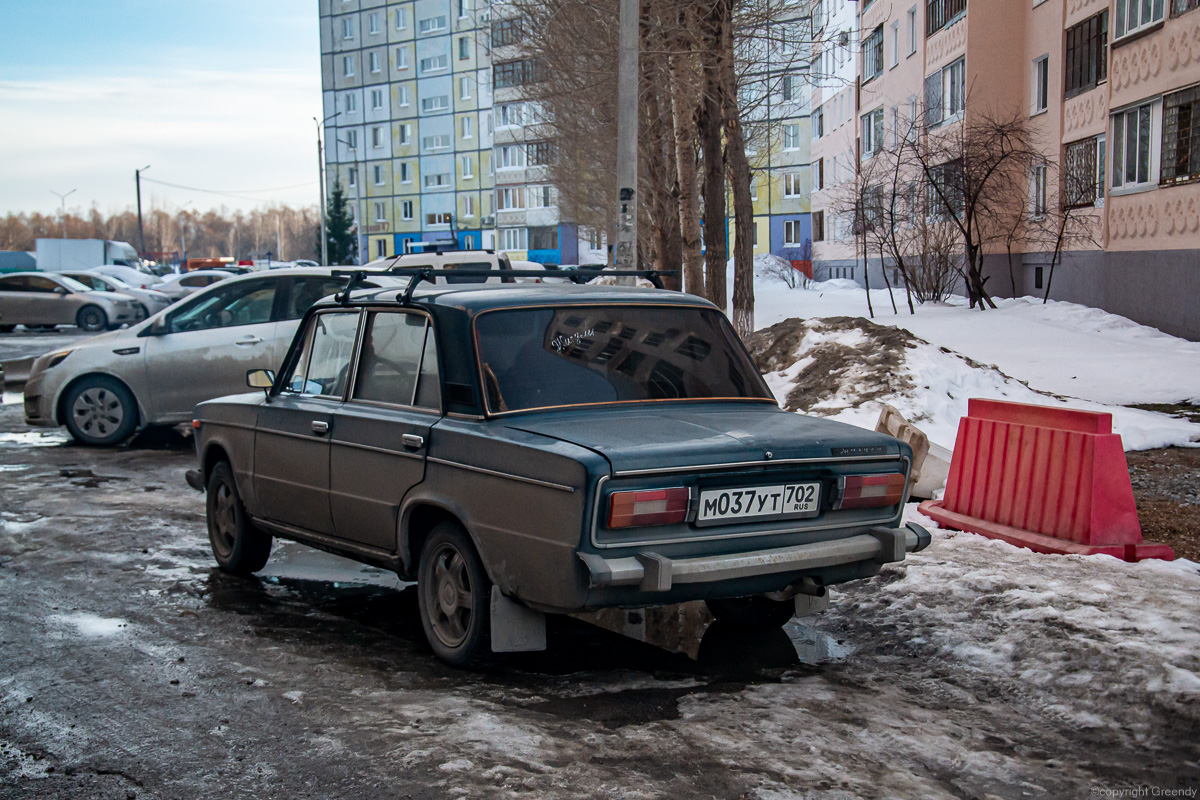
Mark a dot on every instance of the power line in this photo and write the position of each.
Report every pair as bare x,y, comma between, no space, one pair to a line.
235,193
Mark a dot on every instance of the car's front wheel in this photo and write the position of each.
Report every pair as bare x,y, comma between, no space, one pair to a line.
454,595
238,546
100,411
752,613
91,319
7,328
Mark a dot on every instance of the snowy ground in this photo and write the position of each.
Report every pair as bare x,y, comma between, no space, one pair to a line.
1052,354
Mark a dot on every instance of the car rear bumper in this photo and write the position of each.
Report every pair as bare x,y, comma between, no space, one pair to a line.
652,572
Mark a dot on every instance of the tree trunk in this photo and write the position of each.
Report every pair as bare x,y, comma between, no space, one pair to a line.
683,118
739,179
710,125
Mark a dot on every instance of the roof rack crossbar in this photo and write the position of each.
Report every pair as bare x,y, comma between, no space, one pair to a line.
418,275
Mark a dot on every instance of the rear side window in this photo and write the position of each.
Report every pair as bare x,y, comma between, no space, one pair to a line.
390,366
323,367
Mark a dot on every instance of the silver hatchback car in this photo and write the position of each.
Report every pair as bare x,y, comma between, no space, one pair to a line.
46,300
105,388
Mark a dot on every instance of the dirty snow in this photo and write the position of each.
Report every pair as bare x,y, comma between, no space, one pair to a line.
91,625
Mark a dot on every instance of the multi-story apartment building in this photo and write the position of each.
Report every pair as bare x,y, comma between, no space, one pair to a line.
1111,89
430,132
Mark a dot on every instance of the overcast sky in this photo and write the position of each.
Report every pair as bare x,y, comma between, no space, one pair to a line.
212,94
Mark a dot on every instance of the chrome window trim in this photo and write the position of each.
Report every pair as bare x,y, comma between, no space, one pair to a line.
548,484
373,449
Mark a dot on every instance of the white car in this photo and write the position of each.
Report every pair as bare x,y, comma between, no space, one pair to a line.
179,286
134,277
151,300
154,373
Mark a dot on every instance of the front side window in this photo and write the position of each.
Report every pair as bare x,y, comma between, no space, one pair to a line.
391,368
238,303
323,367
549,357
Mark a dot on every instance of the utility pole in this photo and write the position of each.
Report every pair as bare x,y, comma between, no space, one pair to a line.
64,197
137,177
627,139
321,189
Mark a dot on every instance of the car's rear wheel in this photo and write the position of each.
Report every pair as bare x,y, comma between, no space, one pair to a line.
238,546
7,328
91,319
100,411
454,595
753,613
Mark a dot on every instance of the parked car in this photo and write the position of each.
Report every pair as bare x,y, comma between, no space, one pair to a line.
49,299
154,373
134,277
526,449
180,286
151,301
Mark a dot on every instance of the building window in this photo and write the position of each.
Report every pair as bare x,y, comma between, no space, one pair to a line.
464,87
377,99
506,32
513,238
539,197
872,54
791,185
944,96
373,22
402,96
348,28
510,156
1037,192
515,73
350,101
538,153
436,103
791,137
940,13
509,115
352,177
401,58
467,128
376,137
381,246
374,61
1084,172
352,139
405,133
792,231
442,218
1135,146
818,123
405,172
462,9
464,48
1181,136
786,88
380,212
894,44
469,206
912,30
872,133
819,173
432,25
440,180
1040,85
401,19
434,64
468,167
438,142
1135,15
1183,6
406,209
510,199
753,187
944,190
378,173
1086,62
818,226
347,66
543,238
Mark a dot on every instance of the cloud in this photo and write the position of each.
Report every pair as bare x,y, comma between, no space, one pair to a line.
218,128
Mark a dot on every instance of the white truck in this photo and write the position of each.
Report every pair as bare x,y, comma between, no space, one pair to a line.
56,255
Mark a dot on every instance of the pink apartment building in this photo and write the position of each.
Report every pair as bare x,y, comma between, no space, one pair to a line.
1112,90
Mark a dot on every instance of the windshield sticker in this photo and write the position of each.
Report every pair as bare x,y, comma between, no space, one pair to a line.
563,343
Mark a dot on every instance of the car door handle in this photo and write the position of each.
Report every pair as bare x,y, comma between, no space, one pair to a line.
247,340
320,428
412,441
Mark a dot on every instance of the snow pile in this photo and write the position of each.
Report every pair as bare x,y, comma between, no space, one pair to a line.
845,368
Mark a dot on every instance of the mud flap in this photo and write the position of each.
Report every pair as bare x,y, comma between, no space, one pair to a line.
515,628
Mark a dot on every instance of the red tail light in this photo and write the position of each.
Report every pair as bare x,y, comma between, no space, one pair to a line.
651,507
869,491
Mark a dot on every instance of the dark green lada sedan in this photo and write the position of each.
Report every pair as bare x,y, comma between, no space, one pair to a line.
526,449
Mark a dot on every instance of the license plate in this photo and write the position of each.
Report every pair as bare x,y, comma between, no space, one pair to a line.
786,501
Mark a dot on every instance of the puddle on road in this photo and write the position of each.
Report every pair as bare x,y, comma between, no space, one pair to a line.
52,438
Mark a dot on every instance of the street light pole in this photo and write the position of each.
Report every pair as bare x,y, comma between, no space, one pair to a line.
137,177
627,139
323,186
64,197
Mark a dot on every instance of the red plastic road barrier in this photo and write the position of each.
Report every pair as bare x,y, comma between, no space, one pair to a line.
803,266
1054,480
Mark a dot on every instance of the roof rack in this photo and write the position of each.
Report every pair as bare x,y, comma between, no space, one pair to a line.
418,274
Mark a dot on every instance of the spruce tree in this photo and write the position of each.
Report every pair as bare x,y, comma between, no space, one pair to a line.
342,239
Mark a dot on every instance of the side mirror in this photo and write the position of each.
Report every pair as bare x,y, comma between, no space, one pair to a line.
61,291
260,378
157,328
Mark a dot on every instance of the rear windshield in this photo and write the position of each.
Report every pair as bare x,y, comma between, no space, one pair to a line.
547,357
